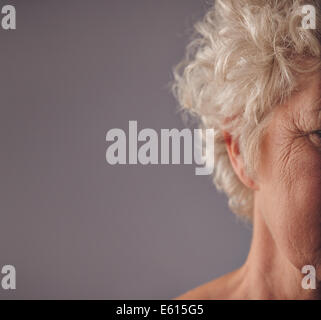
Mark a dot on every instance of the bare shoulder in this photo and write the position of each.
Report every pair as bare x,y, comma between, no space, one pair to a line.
223,288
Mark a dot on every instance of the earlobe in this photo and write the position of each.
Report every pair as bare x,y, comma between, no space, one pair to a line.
247,180
237,162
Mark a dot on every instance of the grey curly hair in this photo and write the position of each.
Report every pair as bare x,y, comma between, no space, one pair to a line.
245,59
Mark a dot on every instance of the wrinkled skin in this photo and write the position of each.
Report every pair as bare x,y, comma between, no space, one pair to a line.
287,206
289,196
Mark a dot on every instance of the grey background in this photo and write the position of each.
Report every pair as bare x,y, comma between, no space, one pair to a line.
72,225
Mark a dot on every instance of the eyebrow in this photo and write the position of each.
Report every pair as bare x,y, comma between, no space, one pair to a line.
316,110
316,105
311,115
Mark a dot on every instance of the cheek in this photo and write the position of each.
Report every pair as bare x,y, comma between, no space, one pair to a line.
293,197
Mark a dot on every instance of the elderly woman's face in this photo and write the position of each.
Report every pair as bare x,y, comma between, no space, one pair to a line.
289,177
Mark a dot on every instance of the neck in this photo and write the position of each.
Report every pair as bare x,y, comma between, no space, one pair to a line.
267,273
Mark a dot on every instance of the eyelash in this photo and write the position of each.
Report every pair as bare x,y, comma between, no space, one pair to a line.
315,137
318,133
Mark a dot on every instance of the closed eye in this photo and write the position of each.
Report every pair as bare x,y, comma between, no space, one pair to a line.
315,137
318,133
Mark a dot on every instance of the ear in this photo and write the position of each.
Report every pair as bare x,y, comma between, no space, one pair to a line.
236,160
